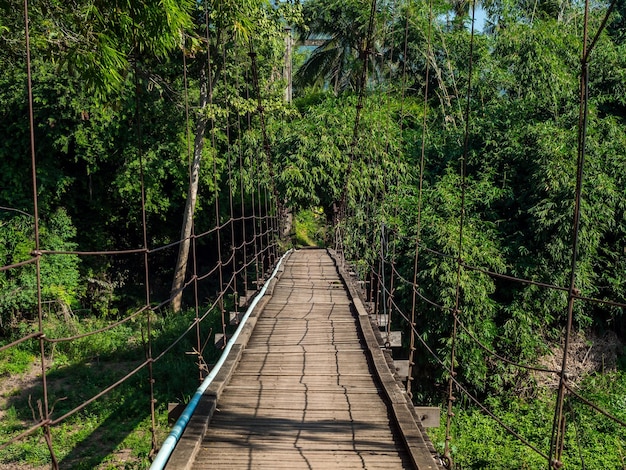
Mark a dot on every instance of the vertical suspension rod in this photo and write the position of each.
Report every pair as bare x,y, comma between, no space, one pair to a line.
266,143
457,295
144,228
420,189
193,237
45,413
558,423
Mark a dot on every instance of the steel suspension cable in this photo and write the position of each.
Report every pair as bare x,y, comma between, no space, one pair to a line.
254,193
385,315
144,229
364,207
193,233
44,409
220,264
361,96
558,424
243,213
244,234
457,295
521,280
230,191
387,184
262,216
420,193
447,369
260,220
467,330
340,215
46,422
268,227
266,142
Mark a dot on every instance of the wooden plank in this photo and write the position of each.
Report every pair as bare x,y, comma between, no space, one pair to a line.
402,369
420,449
235,317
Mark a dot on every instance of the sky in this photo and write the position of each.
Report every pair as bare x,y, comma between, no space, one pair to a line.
481,17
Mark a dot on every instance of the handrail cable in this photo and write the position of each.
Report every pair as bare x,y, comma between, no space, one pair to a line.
594,406
447,369
483,346
521,280
471,334
271,222
415,290
45,422
461,264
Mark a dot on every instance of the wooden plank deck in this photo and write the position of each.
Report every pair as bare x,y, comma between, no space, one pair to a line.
303,394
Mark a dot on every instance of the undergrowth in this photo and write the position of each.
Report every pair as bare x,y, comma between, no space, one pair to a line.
592,440
15,361
113,431
309,227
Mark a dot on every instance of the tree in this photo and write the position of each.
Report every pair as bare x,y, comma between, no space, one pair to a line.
231,26
343,27
91,64
60,275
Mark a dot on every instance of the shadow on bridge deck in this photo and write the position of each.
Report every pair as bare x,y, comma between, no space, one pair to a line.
310,388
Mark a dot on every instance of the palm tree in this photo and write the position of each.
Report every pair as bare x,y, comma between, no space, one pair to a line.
341,27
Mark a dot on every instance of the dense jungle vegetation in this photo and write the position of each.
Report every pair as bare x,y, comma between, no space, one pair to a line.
105,72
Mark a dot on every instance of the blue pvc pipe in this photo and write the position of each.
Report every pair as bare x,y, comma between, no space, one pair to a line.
177,431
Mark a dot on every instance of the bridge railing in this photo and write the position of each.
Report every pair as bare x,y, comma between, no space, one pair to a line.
244,246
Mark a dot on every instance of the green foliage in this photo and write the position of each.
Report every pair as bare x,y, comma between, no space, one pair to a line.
480,443
517,213
118,422
313,150
110,102
15,361
592,440
336,64
60,280
310,227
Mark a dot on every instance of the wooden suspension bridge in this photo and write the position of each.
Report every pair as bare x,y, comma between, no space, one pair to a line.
306,385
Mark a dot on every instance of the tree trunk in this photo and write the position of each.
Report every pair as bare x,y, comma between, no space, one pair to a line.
190,205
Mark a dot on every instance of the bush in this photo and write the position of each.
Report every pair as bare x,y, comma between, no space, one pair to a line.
60,279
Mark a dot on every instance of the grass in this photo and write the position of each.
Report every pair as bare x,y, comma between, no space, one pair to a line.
592,441
15,361
310,228
114,431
